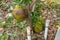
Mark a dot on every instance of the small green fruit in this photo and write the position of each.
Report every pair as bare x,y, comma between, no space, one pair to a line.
39,26
19,13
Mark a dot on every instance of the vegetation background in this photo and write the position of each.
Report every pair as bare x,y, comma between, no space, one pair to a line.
10,29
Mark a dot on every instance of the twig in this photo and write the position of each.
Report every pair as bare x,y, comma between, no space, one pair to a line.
34,5
46,28
28,33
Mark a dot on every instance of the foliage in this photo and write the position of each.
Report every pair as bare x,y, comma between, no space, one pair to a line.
3,37
16,28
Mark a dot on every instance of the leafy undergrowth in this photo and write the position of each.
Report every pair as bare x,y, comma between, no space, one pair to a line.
10,29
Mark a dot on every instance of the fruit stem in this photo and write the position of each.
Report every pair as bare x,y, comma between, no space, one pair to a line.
29,24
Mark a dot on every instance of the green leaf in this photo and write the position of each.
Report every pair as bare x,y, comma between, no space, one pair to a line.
58,14
57,6
3,37
53,4
9,19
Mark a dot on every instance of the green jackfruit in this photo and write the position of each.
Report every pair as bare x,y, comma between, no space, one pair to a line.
39,26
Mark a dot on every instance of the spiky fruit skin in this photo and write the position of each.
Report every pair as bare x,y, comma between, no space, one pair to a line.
39,26
19,13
